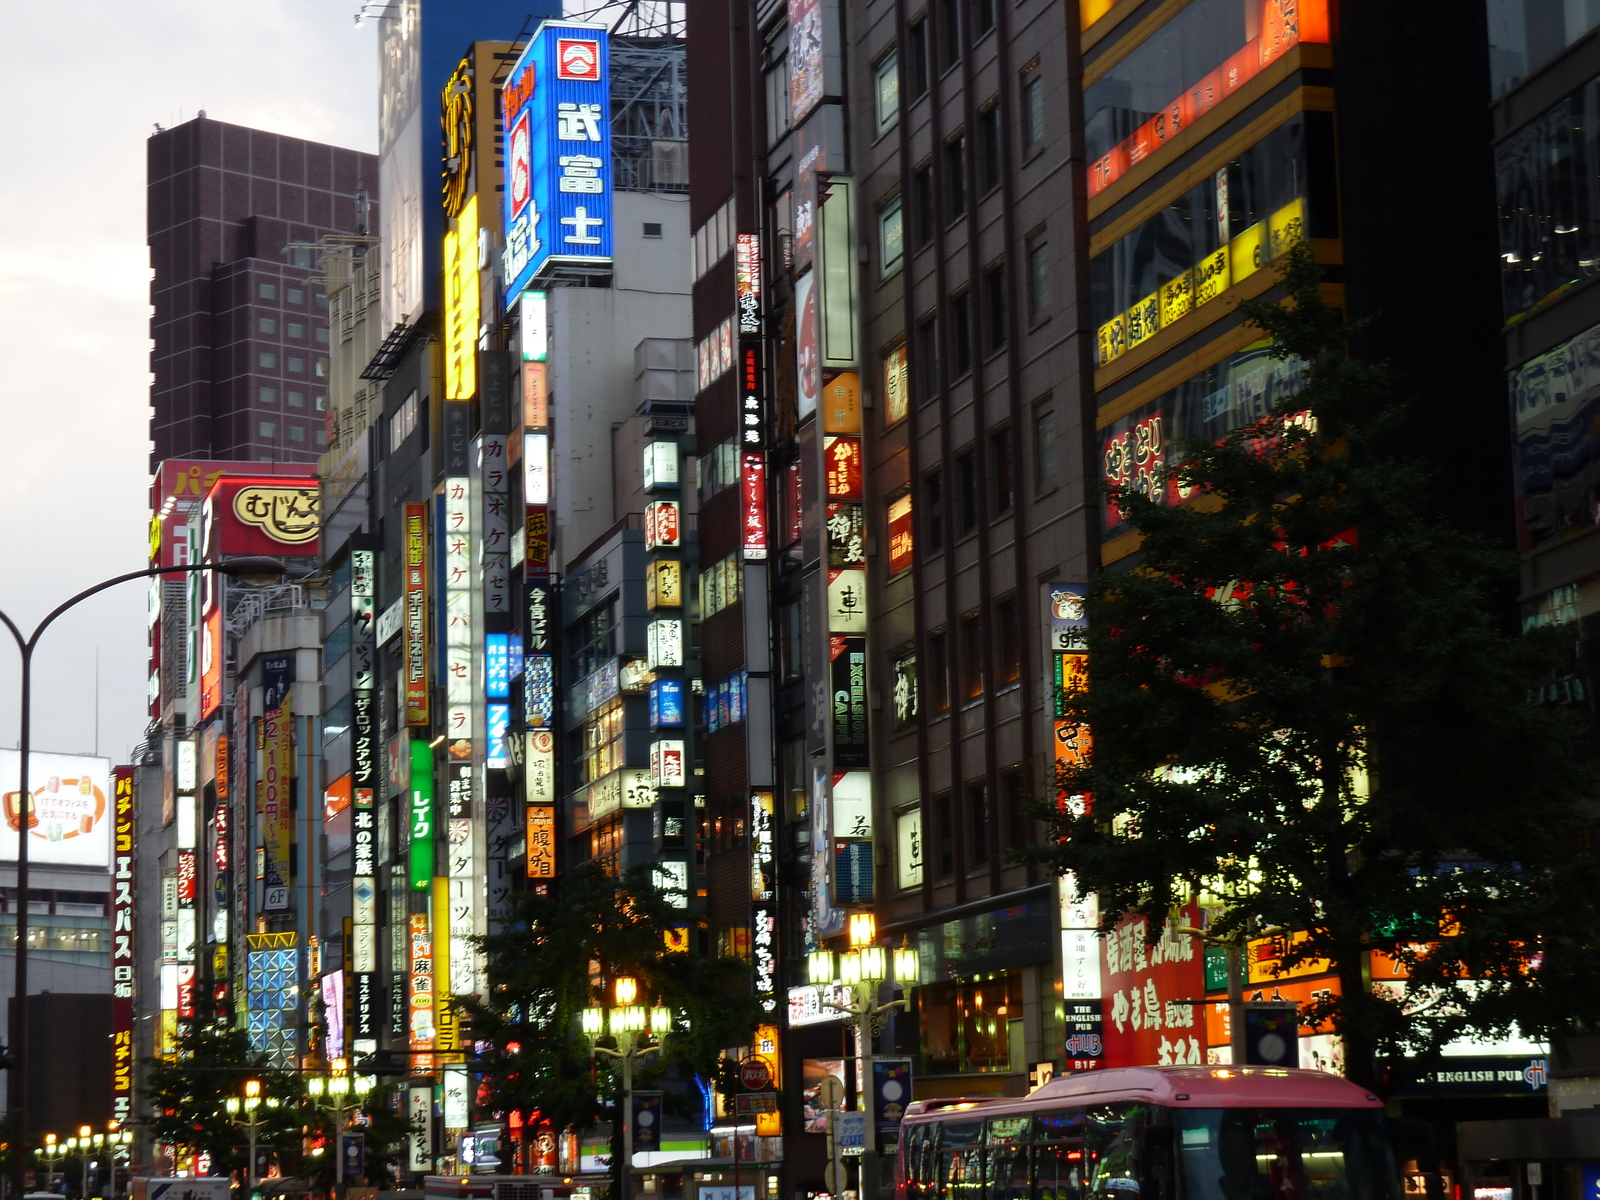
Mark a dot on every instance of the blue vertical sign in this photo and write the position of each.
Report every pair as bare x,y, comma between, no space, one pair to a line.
496,665
557,115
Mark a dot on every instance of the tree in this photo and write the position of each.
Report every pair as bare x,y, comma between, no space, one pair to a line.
555,960
189,1091
1308,698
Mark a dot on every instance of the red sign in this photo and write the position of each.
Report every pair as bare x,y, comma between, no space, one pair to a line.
754,478
211,663
185,992
660,524
841,465
261,514
755,1074
1147,1019
578,58
122,960
180,485
900,538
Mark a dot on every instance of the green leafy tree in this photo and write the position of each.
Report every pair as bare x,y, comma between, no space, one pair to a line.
1308,698
188,1095
385,1132
551,964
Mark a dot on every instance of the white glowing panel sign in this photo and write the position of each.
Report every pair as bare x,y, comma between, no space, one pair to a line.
536,468
72,813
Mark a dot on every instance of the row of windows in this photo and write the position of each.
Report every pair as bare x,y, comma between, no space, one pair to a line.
291,295
965,818
295,433
293,329
269,395
962,516
267,360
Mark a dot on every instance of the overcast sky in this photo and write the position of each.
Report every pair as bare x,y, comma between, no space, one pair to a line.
84,85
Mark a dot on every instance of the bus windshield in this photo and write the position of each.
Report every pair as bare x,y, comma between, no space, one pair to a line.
1283,1154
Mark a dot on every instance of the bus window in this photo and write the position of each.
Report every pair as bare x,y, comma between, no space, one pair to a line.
924,1167
1113,1146
1284,1154
1006,1164
961,1160
1058,1170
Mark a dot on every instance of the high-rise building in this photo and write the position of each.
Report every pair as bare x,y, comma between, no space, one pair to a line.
892,451
1545,112
239,323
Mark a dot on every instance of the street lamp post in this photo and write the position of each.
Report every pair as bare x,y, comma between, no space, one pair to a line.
337,1086
51,1149
862,970
250,1106
84,1134
252,572
628,1022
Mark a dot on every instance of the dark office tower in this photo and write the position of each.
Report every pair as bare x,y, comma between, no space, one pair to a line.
884,198
1545,107
239,327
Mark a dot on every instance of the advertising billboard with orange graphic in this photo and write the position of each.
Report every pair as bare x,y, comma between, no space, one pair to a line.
70,819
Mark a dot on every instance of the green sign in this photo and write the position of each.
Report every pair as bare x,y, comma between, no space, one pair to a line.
1216,969
421,815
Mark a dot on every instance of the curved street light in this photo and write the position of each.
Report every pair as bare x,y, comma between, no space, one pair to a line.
252,571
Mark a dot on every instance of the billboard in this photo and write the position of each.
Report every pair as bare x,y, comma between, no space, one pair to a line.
71,815
248,514
557,117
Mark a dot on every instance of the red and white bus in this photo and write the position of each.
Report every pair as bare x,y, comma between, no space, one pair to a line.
1154,1133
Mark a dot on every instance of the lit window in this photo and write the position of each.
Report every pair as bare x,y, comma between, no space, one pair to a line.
891,237
888,92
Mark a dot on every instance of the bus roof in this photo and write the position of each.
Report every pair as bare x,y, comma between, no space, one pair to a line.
1201,1087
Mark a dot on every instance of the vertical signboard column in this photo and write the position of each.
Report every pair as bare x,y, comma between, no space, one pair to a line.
363,991
1068,672
123,962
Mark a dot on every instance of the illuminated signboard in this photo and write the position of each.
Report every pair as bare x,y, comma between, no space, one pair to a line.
541,841
461,305
666,703
661,524
558,152
416,614
421,815
496,666
753,510
123,964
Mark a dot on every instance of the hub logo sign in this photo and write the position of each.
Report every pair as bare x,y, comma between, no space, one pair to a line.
557,118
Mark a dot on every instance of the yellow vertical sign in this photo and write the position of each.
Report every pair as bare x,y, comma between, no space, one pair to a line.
444,1016
461,305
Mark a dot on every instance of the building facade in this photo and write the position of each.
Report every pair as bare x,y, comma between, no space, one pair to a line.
239,327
